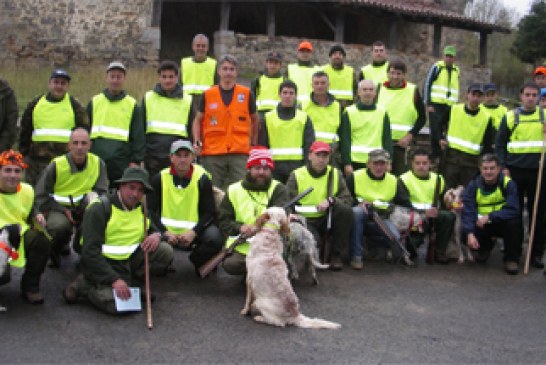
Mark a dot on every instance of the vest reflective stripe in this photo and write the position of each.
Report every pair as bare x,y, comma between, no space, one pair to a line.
267,96
497,113
180,206
400,106
341,82
124,232
53,121
366,131
302,75
377,74
527,136
247,205
325,119
226,129
286,136
421,191
319,193
74,183
465,132
379,192
15,210
444,90
112,119
492,202
167,115
197,76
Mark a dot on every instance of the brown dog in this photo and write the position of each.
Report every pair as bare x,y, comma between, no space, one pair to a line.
269,291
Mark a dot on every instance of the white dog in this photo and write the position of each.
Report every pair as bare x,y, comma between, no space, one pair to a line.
10,239
269,291
301,251
453,200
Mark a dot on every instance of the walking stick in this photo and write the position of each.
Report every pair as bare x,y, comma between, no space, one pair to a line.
149,320
535,206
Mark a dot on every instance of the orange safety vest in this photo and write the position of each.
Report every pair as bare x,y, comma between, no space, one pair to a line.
226,129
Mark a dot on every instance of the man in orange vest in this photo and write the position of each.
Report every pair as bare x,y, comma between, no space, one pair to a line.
226,125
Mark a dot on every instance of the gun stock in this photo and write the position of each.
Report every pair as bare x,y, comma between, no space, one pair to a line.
217,259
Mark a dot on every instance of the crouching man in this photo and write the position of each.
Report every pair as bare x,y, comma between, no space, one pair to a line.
114,243
491,209
17,200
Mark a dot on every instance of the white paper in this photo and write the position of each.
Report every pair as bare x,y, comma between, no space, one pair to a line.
131,304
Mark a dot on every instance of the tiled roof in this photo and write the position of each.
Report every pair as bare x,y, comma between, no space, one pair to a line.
428,12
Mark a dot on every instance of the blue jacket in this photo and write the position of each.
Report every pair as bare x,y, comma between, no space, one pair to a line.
469,215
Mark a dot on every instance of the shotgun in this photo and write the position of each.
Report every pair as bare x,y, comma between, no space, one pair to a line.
217,259
328,235
431,249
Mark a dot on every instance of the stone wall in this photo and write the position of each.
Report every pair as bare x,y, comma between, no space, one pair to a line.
251,52
65,32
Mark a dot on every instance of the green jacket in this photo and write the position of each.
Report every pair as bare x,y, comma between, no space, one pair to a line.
8,116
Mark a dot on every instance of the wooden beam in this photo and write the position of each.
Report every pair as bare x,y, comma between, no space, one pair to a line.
436,40
340,26
225,8
271,20
483,48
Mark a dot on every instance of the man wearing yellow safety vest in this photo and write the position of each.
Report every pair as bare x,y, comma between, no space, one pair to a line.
325,113
441,90
402,101
373,188
182,205
72,175
165,113
314,207
114,242
301,71
491,209
116,128
420,184
16,199
198,73
519,144
377,70
46,124
266,85
288,132
492,105
341,77
364,127
470,133
245,201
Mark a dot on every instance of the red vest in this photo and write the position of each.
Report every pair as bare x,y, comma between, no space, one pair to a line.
226,129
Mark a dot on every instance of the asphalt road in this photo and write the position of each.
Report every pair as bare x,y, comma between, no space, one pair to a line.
389,313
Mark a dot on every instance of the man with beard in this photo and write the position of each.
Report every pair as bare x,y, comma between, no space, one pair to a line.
341,77
245,201
182,205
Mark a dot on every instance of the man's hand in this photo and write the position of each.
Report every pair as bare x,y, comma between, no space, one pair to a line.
323,205
248,229
430,109
348,170
187,238
443,144
121,289
482,221
197,145
41,220
472,242
68,215
431,212
151,242
405,141
171,237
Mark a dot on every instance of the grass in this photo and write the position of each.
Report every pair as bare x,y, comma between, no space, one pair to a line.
86,82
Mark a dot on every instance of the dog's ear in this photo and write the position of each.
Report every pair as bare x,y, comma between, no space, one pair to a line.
285,227
261,220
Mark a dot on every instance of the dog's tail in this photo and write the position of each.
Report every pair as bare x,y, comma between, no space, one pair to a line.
306,322
316,263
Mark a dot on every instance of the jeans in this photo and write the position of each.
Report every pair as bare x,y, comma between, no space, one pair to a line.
363,225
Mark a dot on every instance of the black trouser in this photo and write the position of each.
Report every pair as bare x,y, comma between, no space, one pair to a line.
341,229
208,244
526,180
399,161
435,124
509,231
37,249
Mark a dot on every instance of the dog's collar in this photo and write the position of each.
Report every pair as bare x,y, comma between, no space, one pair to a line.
12,253
272,226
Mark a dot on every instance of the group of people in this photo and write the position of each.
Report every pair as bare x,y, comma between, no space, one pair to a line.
120,180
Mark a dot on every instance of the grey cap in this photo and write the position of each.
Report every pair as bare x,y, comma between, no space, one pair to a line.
379,155
135,174
60,73
116,65
475,87
181,144
489,87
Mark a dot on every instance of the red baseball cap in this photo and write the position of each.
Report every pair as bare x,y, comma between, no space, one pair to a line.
319,146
